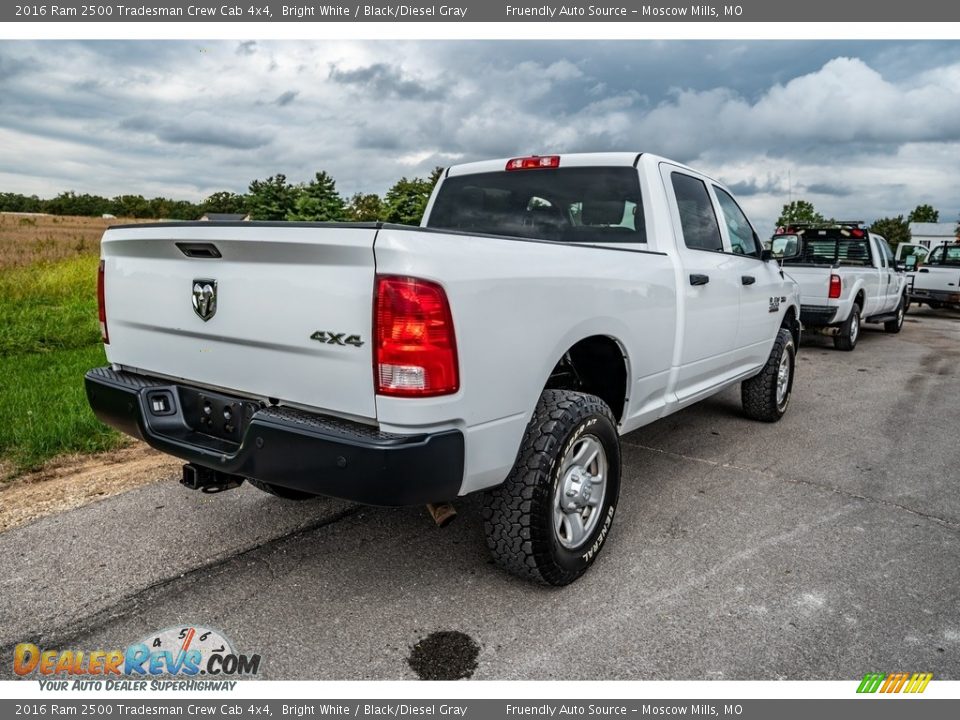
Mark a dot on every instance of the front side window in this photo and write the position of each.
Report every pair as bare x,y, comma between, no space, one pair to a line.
743,241
887,252
698,222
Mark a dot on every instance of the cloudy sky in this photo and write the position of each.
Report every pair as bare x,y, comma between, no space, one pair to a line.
862,129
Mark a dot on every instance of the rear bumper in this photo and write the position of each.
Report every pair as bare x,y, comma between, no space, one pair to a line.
288,447
922,295
817,315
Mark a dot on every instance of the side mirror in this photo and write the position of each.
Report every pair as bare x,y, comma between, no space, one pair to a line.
782,247
900,266
909,263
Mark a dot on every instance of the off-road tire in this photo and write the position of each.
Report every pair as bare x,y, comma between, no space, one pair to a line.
518,515
759,393
280,491
894,326
847,339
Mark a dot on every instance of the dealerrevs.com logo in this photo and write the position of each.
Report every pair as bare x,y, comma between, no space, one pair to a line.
910,683
191,657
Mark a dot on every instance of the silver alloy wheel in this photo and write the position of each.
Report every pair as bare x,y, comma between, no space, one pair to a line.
579,494
854,327
783,379
900,314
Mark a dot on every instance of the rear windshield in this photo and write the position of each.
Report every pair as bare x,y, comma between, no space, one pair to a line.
579,204
831,247
945,255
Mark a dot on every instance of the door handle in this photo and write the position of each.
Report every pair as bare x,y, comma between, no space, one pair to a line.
924,270
696,279
747,279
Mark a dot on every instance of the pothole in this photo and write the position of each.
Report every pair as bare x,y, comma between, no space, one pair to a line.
444,655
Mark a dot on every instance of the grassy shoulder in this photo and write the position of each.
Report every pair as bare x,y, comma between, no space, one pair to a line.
49,336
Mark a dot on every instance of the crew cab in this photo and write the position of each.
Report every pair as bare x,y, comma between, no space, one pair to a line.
934,276
847,276
546,306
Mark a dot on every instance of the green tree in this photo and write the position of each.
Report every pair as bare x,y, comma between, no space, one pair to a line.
69,203
15,202
435,175
366,208
319,201
223,202
406,201
183,210
924,213
271,199
896,230
161,207
798,211
130,206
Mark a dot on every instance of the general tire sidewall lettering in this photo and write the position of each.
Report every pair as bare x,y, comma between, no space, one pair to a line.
574,560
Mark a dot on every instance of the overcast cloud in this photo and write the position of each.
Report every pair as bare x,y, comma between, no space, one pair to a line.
861,129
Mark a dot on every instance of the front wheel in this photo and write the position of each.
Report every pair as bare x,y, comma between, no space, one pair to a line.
765,396
548,521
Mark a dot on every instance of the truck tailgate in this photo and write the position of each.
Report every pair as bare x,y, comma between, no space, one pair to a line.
814,283
287,297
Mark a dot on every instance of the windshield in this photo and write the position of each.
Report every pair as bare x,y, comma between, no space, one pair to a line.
579,204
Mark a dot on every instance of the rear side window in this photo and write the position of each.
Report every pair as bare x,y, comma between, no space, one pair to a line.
577,204
698,222
945,255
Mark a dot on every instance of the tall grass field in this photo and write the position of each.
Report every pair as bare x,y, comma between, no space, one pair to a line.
49,337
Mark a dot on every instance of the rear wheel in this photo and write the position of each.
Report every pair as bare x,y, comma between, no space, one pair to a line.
550,518
849,333
893,326
280,491
765,396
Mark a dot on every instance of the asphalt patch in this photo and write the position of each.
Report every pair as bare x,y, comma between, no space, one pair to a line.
444,655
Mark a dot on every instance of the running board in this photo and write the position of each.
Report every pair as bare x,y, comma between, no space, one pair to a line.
881,318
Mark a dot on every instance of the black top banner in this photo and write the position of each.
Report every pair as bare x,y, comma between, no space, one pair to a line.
632,11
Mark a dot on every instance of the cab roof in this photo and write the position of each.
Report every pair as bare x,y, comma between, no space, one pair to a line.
598,159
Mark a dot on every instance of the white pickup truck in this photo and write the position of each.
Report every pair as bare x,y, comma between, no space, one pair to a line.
847,276
547,305
934,275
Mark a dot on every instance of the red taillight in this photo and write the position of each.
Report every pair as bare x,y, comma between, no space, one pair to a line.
102,306
835,287
534,162
416,352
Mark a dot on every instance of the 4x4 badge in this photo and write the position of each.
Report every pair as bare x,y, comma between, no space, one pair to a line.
205,298
331,338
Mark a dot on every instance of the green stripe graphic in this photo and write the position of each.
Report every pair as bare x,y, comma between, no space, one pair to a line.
871,682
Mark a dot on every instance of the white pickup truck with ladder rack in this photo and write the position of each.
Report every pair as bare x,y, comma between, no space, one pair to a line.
847,276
